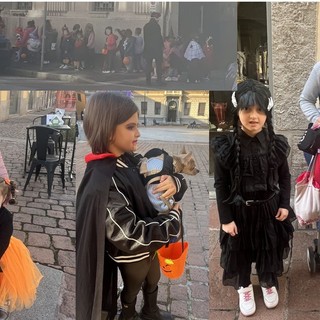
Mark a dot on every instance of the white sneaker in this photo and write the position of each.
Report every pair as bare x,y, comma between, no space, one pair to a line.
168,79
246,301
270,297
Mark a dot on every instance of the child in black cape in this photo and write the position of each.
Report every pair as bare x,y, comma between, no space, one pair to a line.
116,223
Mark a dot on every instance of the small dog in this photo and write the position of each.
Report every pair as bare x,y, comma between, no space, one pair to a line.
156,163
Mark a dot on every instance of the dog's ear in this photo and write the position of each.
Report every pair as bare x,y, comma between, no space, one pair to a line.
188,156
143,166
183,150
178,165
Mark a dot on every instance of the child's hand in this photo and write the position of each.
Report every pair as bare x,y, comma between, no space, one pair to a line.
230,228
316,124
282,214
166,185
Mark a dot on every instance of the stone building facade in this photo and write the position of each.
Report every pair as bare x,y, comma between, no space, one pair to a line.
15,103
161,107
173,107
294,43
290,34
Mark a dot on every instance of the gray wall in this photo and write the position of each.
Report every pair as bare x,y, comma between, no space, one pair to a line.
294,50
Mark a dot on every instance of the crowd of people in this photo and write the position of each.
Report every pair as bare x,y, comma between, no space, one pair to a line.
169,58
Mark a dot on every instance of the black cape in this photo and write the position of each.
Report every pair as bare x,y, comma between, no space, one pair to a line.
96,273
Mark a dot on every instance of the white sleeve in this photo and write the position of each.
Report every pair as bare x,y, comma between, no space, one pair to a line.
310,93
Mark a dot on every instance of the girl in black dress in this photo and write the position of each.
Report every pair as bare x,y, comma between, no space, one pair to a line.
252,182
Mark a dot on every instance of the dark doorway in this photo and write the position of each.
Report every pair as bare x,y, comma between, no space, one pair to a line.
172,111
252,39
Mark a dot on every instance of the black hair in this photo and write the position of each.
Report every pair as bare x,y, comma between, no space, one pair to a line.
138,31
105,30
252,92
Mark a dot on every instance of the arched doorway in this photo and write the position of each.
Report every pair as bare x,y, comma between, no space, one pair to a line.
172,111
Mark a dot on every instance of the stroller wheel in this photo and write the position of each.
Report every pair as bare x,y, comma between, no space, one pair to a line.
311,260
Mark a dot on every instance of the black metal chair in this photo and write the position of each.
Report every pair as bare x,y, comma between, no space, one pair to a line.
40,120
46,155
33,146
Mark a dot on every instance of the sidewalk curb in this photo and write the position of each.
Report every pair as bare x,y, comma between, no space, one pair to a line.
49,76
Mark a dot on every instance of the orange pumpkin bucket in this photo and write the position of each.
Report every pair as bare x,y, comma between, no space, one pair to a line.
172,259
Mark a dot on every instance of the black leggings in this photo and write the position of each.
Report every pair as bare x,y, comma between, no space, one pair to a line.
245,277
145,272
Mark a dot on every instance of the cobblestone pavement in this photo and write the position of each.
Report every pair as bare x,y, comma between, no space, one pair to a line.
46,226
187,297
299,289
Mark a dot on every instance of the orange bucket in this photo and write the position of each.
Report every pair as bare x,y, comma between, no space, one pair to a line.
172,259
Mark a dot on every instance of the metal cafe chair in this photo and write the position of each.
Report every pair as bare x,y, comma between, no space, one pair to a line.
46,156
40,120
32,140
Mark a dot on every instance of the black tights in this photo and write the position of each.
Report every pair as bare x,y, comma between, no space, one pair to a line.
245,278
145,272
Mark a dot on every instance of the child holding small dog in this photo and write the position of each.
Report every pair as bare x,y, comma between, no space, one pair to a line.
157,162
252,182
117,226
19,276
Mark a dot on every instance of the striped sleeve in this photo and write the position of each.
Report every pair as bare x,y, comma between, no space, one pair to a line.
135,236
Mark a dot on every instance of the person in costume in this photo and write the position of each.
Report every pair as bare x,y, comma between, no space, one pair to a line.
19,276
252,182
116,224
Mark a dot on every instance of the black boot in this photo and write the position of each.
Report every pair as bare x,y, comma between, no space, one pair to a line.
150,309
128,311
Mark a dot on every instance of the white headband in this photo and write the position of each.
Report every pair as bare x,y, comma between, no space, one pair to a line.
235,104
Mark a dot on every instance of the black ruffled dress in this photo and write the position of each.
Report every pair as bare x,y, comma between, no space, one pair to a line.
261,238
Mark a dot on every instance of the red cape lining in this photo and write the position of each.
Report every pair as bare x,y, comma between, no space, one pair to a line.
91,157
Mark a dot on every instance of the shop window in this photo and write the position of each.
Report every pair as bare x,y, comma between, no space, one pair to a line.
157,108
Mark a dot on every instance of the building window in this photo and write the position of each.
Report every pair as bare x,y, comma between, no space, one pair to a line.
144,107
157,108
187,107
57,8
201,108
103,6
24,5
